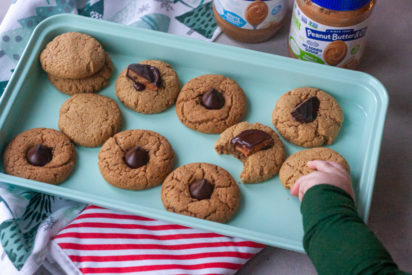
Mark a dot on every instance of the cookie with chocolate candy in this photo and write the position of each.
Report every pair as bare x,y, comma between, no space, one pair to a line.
257,146
211,103
307,117
41,154
201,190
148,87
136,159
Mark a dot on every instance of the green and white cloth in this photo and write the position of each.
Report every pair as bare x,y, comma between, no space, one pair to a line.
29,219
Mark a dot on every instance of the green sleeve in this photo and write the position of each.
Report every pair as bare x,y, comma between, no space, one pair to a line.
336,239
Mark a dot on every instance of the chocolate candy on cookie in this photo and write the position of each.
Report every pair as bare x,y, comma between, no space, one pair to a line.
307,117
201,190
251,141
213,100
41,154
144,76
211,103
307,111
148,87
257,146
136,159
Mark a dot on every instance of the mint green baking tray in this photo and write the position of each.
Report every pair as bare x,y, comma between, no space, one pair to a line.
268,213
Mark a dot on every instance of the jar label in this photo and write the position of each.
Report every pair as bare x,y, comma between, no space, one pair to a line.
336,46
250,14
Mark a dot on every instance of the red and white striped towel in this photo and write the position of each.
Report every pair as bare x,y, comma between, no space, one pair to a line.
102,241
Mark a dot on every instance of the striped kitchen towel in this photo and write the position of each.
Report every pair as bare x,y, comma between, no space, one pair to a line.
102,241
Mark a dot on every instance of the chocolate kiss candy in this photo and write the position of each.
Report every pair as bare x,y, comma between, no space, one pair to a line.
139,86
136,157
201,189
213,100
307,111
39,155
251,141
145,75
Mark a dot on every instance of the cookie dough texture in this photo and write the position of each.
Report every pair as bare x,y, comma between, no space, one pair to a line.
89,119
73,55
91,84
259,166
323,130
222,204
195,116
56,171
295,166
116,172
149,101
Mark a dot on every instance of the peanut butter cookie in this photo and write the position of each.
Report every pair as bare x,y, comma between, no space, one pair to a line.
40,154
149,87
201,190
91,84
211,103
257,146
295,165
136,159
307,117
73,55
89,119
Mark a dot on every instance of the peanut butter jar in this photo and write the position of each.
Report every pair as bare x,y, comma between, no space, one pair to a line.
250,21
330,32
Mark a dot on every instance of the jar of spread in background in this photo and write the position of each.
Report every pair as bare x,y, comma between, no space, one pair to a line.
248,20
330,32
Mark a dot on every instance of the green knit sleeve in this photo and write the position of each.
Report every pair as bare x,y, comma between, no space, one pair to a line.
336,239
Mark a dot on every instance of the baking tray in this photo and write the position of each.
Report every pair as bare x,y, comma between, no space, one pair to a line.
268,214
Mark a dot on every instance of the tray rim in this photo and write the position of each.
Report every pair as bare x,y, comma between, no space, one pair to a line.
64,20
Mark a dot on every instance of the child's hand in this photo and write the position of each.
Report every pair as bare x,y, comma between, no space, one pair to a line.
327,172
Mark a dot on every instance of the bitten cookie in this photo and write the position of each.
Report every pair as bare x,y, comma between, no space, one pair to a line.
73,55
149,87
295,165
89,119
91,84
201,190
307,117
211,103
257,146
40,154
136,159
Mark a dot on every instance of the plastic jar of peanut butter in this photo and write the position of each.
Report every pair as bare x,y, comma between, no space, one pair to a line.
250,21
330,32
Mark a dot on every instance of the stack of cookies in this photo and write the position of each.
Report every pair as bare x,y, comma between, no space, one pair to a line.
76,63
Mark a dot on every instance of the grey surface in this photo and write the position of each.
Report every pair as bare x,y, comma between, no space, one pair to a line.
4,6
388,57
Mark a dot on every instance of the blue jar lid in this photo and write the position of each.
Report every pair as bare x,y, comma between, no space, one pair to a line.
341,5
